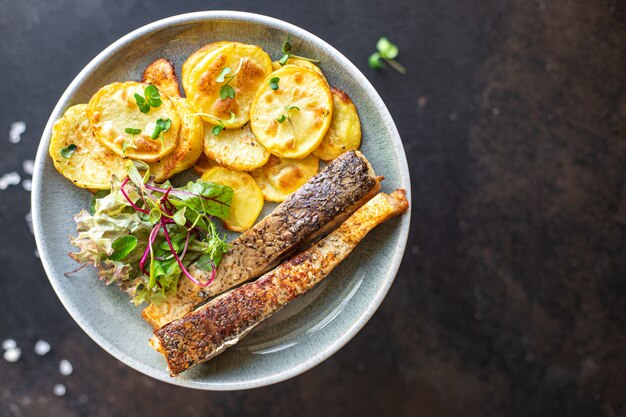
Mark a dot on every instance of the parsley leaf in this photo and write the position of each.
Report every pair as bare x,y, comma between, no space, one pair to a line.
68,151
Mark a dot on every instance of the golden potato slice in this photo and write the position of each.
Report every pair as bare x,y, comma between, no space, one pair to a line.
247,198
281,177
189,145
161,73
203,164
292,120
92,164
299,62
190,63
235,149
344,133
249,66
113,109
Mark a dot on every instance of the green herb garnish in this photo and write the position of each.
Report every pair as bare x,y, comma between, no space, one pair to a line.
162,126
132,132
286,50
226,91
151,98
221,124
122,247
274,83
286,116
388,52
68,151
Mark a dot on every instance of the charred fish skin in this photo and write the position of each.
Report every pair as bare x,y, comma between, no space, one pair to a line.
308,214
212,328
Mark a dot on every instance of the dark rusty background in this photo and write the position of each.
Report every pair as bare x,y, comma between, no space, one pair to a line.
511,300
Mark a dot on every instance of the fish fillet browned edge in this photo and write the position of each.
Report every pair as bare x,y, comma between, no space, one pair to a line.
311,212
212,328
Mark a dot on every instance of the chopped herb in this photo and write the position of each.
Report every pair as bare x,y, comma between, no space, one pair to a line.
281,119
68,151
388,52
274,83
151,98
217,129
162,126
286,50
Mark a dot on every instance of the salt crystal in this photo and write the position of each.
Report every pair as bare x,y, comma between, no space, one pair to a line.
42,347
15,134
27,184
59,390
12,355
9,344
28,166
65,367
12,178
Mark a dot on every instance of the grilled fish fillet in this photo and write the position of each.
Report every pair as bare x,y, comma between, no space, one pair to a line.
315,209
212,328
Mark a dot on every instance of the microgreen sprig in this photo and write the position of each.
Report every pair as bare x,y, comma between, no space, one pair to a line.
151,98
286,50
132,132
162,126
388,52
226,91
221,124
286,116
274,83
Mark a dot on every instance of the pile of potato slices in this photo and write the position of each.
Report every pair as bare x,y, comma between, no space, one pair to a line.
258,126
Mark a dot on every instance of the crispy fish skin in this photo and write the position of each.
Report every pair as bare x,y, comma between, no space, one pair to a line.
315,209
212,328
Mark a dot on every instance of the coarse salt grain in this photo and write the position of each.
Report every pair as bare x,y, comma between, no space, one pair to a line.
12,355
59,390
15,134
12,178
42,347
27,166
65,367
9,344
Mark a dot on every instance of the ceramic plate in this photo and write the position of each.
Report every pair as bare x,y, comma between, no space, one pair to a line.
305,332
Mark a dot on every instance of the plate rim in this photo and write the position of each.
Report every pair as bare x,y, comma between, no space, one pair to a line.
398,148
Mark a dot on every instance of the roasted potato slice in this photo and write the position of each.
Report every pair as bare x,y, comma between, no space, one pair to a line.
235,149
292,120
249,65
281,177
203,164
92,164
247,198
189,145
161,73
113,109
344,133
299,62
193,59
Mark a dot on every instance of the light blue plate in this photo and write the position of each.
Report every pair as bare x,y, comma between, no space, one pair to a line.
304,333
